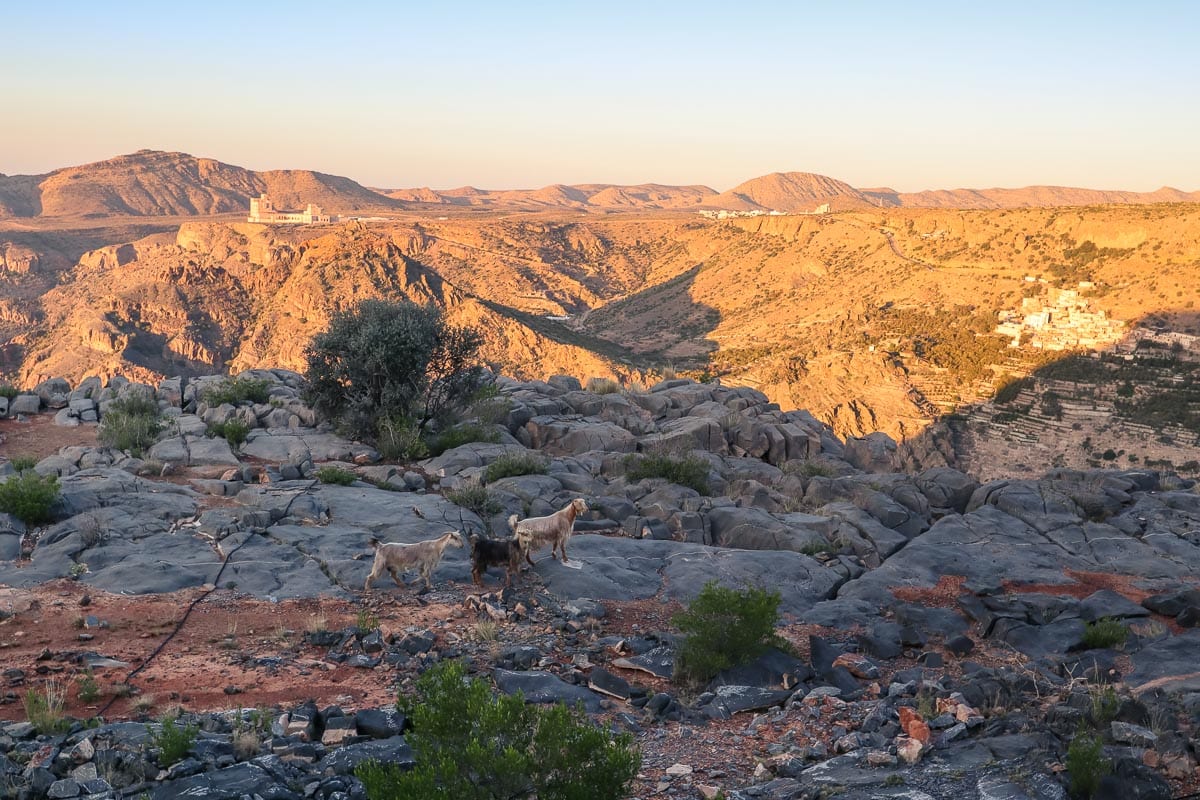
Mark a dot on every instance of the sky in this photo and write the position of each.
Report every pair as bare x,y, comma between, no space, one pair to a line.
913,96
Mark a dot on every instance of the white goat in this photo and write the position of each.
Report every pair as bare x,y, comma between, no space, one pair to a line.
555,529
395,557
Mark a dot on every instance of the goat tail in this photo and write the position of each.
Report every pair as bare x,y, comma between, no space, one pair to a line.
512,523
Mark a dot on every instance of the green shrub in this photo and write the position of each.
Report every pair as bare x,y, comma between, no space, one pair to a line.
476,498
233,431
366,621
473,745
391,359
462,434
399,439
89,690
1086,764
1104,704
44,709
816,548
689,471
336,475
29,496
22,463
1106,632
131,423
237,390
512,464
173,741
603,386
9,391
809,469
724,628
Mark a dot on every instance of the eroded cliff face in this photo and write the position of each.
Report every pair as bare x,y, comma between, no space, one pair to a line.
802,307
216,298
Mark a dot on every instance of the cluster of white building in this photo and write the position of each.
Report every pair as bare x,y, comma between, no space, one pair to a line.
1066,323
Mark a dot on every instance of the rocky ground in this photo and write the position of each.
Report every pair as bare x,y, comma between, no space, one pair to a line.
942,631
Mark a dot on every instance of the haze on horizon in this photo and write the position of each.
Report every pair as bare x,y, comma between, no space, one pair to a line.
918,96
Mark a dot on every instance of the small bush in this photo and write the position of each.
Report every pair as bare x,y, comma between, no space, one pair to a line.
1086,764
399,439
724,628
809,469
477,499
131,423
817,548
603,386
1104,704
336,475
173,741
22,463
29,496
233,431
512,464
89,690
689,471
237,390
366,621
510,749
460,435
1106,632
44,709
7,390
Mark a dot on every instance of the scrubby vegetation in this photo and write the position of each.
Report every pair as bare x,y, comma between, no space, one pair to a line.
233,431
603,386
513,464
391,359
131,424
29,497
237,390
473,745
44,709
1107,632
1086,764
336,476
173,741
689,471
8,391
724,628
462,434
477,499
398,439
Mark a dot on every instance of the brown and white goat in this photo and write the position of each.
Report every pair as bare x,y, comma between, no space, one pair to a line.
395,557
555,529
487,552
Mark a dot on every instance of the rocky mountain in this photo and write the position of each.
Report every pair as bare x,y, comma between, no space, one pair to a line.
153,183
791,192
1012,622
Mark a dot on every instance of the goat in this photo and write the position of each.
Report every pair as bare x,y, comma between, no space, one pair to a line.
395,557
494,553
555,529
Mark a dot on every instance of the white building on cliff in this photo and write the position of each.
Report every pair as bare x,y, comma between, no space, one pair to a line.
262,209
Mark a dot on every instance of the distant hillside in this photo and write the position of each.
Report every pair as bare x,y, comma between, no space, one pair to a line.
154,183
590,196
790,192
1028,197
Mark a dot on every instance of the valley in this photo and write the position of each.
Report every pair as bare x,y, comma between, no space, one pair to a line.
894,319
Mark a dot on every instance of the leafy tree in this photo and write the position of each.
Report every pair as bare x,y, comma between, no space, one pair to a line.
473,745
384,359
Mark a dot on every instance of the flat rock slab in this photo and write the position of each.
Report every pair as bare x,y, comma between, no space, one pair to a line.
616,568
542,687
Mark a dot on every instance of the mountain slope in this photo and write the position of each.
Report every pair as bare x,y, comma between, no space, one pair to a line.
790,192
153,183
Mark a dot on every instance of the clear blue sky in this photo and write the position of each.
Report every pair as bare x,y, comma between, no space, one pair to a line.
522,94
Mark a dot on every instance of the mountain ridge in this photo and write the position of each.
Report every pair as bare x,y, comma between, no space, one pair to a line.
161,183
